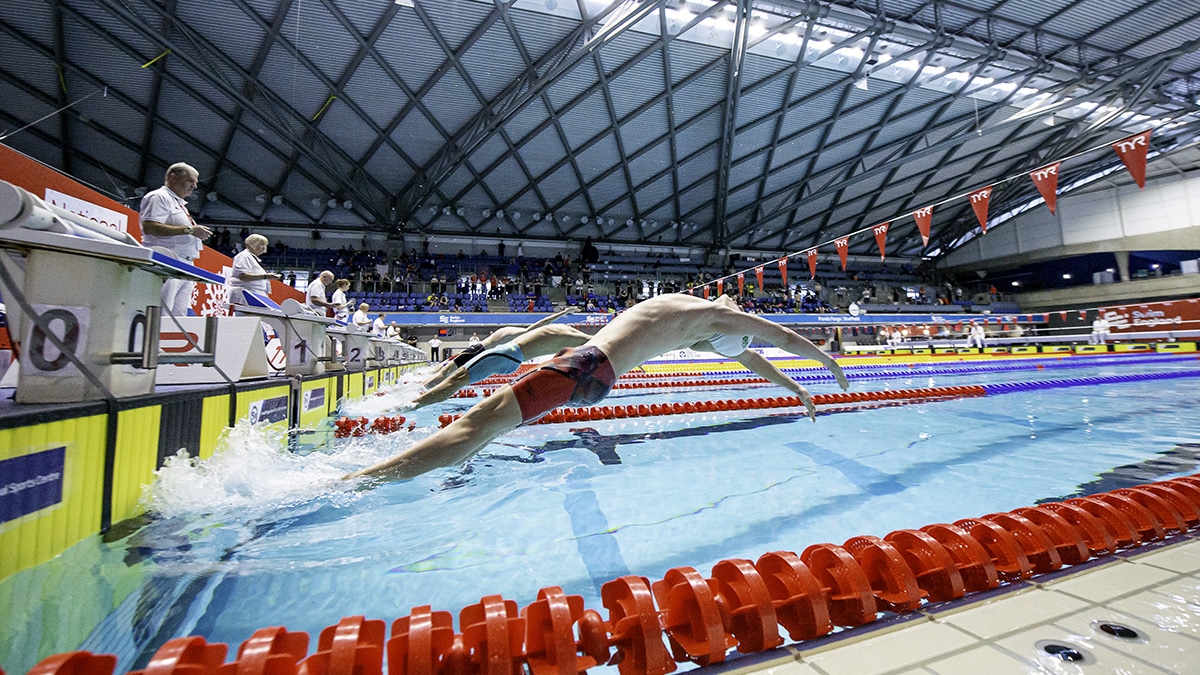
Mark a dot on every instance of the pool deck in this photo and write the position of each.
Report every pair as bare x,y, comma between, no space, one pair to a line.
1155,592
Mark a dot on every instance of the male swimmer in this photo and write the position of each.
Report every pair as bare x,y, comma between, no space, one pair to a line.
585,374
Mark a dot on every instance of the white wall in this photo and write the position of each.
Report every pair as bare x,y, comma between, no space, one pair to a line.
1102,218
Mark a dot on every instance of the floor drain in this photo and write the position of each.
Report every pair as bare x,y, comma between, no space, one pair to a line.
1117,630
1064,651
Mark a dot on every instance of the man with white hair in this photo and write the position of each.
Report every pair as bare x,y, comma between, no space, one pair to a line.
315,298
247,273
167,226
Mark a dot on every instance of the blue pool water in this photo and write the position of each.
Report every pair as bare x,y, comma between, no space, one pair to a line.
259,536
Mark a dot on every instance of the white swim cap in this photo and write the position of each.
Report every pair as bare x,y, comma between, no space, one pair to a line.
729,345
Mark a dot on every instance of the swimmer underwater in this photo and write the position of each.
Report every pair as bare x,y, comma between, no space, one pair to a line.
586,374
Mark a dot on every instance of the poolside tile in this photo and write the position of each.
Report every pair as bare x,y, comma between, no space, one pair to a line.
1186,589
1110,581
1102,659
1184,558
1168,612
986,660
1007,613
891,651
1165,649
782,666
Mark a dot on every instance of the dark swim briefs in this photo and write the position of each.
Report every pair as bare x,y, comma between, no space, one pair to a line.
581,375
467,354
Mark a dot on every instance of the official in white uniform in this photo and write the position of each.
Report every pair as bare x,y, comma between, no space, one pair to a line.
247,273
167,226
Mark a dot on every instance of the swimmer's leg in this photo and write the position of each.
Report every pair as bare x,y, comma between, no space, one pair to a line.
491,417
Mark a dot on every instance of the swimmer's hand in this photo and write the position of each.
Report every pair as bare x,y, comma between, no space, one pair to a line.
839,375
806,398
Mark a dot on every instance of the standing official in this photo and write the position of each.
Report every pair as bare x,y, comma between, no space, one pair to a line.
167,225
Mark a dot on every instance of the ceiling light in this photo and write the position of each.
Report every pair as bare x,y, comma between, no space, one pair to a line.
537,215
332,203
260,199
316,201
347,205
1067,275
212,196
277,200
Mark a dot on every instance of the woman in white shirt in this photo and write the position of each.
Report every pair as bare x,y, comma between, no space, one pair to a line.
342,313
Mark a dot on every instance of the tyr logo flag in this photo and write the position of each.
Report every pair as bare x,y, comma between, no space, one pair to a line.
1046,180
979,202
1132,152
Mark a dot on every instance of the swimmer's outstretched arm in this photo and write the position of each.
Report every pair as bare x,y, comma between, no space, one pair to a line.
552,318
445,389
495,415
759,364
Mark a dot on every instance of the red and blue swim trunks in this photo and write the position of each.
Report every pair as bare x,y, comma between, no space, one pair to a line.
579,375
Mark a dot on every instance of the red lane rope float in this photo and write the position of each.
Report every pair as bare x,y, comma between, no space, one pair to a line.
742,605
559,415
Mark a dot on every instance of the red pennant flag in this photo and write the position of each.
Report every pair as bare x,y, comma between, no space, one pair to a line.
843,246
1062,315
1046,180
1132,152
741,283
783,271
720,287
881,237
692,292
1083,314
923,217
705,291
758,272
979,202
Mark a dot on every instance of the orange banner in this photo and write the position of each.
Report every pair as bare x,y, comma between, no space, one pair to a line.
923,218
812,262
1046,180
979,202
881,238
1132,151
843,247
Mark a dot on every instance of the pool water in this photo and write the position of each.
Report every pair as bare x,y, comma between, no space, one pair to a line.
259,536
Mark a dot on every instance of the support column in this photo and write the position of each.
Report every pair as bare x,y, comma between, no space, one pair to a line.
1122,264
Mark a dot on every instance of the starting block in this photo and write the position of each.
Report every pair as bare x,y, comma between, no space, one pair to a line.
85,308
305,343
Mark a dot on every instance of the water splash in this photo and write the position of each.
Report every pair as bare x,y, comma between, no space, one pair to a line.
253,472
394,399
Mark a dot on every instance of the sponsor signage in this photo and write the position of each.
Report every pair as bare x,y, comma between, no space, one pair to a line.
1154,316
270,410
31,483
94,212
314,399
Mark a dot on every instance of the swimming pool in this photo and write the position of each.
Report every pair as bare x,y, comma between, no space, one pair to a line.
258,536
